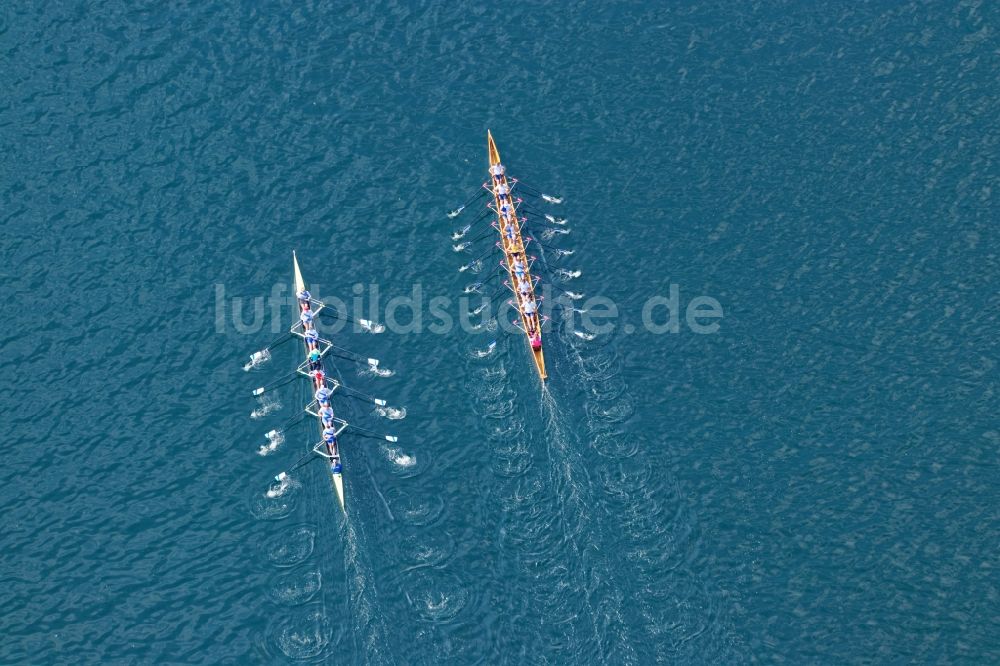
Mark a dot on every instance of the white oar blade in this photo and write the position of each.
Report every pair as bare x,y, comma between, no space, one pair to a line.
258,391
373,362
391,438
380,402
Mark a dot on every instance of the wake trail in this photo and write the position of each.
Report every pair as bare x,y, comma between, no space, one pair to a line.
562,460
368,621
682,615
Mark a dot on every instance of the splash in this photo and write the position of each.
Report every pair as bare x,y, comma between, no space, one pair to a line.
473,288
399,458
584,336
460,247
572,295
481,353
460,234
391,413
267,404
476,266
371,326
490,325
455,213
257,359
551,199
568,275
275,438
555,220
374,369
280,487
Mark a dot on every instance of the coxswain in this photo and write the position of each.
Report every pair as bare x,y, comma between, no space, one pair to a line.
330,435
315,355
497,171
304,296
536,342
323,395
335,467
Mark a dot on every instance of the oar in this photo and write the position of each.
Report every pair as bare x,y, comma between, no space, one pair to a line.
361,395
330,311
481,237
287,424
457,211
375,435
484,214
278,383
492,249
282,476
538,192
285,337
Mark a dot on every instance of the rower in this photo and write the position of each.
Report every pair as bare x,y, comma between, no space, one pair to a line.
523,287
323,395
307,318
530,307
318,375
503,192
518,268
509,230
327,415
497,171
304,296
312,336
330,435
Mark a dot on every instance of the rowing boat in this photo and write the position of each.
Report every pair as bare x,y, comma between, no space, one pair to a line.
513,249
327,450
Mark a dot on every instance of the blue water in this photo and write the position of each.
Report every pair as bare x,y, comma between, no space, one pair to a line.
813,483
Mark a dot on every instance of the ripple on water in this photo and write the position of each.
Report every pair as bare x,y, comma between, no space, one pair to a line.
291,547
614,444
428,548
263,507
678,609
606,389
304,632
436,596
415,509
511,430
510,464
495,409
296,587
511,456
616,411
